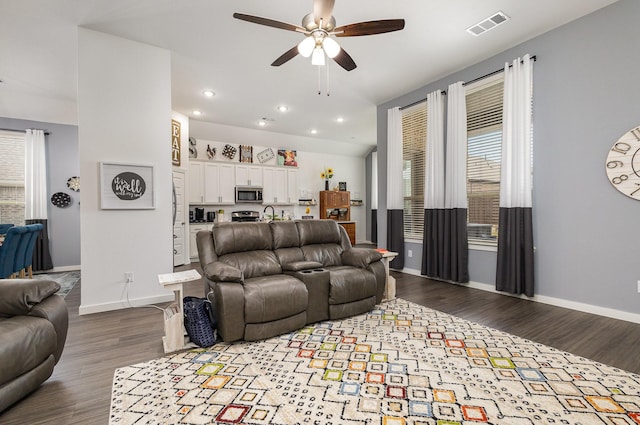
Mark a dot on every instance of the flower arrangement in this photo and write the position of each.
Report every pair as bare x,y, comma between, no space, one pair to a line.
327,174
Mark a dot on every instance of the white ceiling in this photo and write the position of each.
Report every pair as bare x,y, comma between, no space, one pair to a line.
212,50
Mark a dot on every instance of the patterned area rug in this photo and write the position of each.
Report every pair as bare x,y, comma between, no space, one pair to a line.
399,364
66,280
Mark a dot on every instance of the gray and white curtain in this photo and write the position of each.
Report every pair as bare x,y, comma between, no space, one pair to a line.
456,245
36,199
515,240
395,193
445,243
374,197
434,216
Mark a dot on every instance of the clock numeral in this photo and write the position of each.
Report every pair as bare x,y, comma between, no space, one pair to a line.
615,164
636,133
620,179
621,147
637,190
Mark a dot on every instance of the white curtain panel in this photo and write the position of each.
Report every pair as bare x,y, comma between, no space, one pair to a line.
35,175
434,152
395,193
516,178
374,181
456,155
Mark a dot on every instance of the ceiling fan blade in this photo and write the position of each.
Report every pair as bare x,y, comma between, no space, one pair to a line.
369,28
344,60
323,9
268,22
286,56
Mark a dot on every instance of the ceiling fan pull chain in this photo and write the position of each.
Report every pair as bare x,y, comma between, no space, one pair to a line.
319,81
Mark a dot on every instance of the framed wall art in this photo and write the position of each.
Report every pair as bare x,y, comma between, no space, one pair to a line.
126,186
246,153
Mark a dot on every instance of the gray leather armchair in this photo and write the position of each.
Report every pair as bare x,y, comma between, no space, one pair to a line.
33,330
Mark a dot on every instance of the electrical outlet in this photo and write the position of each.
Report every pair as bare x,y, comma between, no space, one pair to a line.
410,253
128,277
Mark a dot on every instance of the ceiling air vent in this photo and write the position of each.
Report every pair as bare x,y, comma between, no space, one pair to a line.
487,24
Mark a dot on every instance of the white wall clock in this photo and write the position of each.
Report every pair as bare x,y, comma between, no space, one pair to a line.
623,164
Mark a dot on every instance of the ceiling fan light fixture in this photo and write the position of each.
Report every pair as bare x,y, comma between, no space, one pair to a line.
318,57
306,46
331,47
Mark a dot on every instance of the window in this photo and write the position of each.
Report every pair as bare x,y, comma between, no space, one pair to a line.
12,177
414,138
484,138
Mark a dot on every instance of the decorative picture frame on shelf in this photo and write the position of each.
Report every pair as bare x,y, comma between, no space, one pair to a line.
246,154
125,186
229,151
265,155
287,158
342,186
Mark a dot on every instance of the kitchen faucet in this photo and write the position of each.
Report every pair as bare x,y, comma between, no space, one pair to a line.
273,211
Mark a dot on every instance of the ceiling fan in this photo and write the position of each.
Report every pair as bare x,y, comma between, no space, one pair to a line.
319,26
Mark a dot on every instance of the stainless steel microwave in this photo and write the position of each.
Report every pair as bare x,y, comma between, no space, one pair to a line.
248,194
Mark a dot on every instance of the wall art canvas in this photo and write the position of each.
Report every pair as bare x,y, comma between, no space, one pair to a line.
246,153
265,155
126,186
287,157
229,151
175,142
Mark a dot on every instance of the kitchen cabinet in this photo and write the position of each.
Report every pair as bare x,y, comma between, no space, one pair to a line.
274,189
211,183
350,227
248,175
219,184
193,230
196,182
292,186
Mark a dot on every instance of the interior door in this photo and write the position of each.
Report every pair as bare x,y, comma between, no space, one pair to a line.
179,229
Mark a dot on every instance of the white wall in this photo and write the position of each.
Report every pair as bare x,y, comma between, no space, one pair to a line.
124,115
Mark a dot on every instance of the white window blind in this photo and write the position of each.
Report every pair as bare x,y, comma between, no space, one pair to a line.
414,139
484,133
12,177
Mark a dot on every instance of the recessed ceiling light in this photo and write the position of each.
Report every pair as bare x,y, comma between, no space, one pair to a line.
262,123
197,113
314,131
209,93
283,108
340,119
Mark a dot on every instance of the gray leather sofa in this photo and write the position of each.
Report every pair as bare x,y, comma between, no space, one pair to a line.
266,279
33,330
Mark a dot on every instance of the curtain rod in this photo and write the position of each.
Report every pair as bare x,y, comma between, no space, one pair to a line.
21,131
491,74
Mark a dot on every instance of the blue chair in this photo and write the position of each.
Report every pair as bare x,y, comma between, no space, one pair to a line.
8,250
24,257
28,255
4,227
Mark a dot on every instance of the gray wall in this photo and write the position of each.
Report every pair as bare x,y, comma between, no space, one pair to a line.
62,162
586,95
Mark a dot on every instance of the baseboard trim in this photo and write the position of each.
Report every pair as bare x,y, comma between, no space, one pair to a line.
121,305
558,302
66,269
59,269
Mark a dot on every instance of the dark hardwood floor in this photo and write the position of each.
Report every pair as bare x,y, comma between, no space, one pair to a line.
80,389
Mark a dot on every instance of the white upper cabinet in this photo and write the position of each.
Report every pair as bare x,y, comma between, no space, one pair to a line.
248,175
